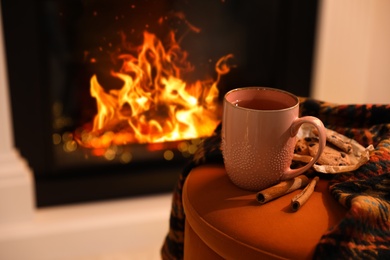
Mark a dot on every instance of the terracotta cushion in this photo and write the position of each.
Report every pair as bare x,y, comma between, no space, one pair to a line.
230,222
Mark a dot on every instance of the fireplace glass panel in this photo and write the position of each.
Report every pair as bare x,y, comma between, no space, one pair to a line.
59,52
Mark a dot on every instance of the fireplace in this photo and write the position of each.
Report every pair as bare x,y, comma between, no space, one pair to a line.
56,48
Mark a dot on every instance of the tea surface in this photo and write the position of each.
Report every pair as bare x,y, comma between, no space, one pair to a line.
262,104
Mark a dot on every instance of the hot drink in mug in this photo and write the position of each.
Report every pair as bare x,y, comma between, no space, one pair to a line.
259,128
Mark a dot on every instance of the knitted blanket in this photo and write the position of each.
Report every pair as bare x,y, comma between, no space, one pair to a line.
364,233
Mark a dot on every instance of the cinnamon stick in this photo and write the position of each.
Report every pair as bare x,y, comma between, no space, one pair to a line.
300,199
281,189
337,139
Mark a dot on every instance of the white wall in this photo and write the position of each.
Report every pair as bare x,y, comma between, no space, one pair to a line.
353,52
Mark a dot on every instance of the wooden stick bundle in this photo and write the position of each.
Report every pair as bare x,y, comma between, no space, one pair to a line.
337,139
300,199
281,189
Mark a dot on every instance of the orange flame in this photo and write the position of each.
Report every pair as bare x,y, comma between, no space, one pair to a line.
154,103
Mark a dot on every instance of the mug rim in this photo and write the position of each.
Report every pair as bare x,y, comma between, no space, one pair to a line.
262,88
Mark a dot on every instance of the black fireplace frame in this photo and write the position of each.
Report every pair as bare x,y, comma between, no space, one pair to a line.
284,60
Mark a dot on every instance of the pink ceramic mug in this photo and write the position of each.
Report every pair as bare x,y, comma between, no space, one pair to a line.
259,128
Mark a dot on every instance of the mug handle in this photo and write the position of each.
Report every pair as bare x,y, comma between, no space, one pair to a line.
291,173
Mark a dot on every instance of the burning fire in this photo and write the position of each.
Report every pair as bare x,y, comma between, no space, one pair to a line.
154,104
